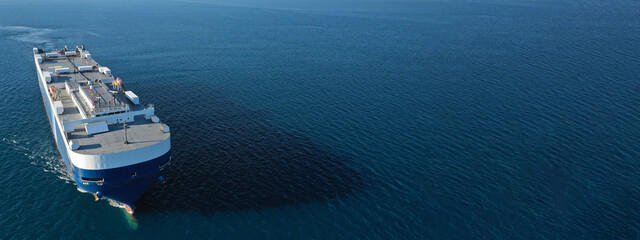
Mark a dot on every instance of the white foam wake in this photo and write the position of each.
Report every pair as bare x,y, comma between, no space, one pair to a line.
47,38
37,36
41,155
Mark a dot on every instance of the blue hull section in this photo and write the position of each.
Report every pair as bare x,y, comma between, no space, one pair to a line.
123,184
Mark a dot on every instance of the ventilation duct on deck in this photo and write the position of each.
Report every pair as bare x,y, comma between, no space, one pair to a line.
165,128
105,71
74,145
85,68
47,76
132,97
62,70
98,127
59,107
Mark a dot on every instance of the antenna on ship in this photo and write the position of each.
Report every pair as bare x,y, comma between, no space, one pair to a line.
125,132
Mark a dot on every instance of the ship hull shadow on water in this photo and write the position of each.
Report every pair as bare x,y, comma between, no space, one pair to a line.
225,158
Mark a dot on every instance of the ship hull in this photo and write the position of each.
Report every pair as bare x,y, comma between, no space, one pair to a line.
122,184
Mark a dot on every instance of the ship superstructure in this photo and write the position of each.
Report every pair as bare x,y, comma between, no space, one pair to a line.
113,146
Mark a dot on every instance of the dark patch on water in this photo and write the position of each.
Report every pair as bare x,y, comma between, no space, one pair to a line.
226,157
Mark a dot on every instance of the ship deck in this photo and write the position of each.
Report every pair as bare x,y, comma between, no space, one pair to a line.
141,132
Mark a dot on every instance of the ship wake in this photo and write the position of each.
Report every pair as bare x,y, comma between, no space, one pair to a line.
46,38
41,155
38,36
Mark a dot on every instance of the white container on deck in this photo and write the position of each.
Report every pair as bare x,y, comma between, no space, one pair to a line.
59,107
105,70
62,70
85,68
70,53
35,50
47,76
51,54
39,58
59,85
132,97
97,127
86,55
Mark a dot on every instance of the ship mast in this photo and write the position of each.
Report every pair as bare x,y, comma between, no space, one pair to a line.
125,132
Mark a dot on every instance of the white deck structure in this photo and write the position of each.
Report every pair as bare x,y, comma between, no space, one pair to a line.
91,112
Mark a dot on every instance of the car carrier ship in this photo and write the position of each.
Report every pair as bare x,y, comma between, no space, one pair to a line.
112,146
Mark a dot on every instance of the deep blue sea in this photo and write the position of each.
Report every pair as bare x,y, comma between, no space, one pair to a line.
471,119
